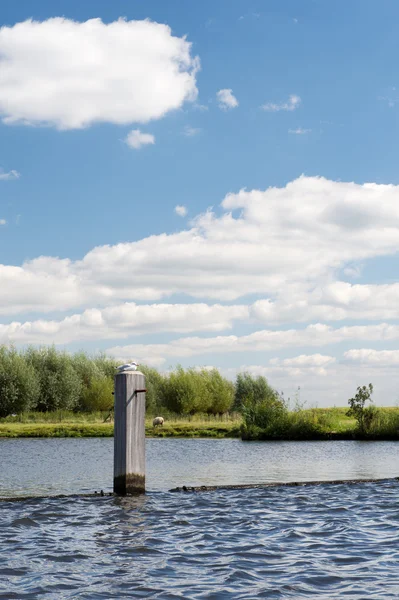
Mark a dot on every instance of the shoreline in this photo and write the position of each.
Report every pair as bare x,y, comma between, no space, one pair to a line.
77,430
175,430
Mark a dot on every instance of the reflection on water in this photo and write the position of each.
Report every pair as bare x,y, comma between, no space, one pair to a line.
325,541
54,466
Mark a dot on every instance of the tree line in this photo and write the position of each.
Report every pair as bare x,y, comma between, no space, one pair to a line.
45,379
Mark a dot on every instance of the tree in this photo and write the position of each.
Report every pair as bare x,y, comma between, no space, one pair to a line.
98,394
60,384
364,416
252,389
19,384
154,382
184,391
220,391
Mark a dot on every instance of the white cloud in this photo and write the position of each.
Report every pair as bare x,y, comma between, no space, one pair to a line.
292,104
69,75
226,99
3,222
191,131
378,358
330,385
333,301
181,210
353,271
304,360
315,335
291,239
122,321
299,131
200,107
136,139
10,175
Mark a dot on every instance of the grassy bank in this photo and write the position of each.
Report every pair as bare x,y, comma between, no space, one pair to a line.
308,424
68,424
318,424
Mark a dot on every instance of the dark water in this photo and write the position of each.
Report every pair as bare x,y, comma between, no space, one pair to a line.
328,541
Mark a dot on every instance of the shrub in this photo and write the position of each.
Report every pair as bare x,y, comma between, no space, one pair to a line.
269,415
154,383
364,416
252,389
60,384
19,383
98,395
219,390
184,392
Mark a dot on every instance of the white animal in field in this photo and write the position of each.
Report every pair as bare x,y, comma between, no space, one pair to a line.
132,366
158,421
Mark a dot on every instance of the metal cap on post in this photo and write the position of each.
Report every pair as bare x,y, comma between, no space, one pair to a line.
129,433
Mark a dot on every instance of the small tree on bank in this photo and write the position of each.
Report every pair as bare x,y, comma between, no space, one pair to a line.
364,416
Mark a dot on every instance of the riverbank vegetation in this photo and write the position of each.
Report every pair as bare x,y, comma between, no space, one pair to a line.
46,380
98,424
272,419
47,393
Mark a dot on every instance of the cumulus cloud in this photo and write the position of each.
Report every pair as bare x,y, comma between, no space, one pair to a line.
226,99
292,104
299,236
11,174
3,222
315,335
304,360
327,385
136,139
181,210
69,74
333,301
371,357
122,321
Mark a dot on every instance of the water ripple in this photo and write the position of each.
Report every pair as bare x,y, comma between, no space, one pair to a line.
330,542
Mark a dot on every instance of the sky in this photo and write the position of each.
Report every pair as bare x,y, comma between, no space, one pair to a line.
211,184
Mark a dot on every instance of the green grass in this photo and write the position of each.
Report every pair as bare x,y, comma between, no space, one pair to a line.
321,423
45,430
68,424
315,423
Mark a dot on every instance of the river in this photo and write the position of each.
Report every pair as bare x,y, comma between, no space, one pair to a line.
326,541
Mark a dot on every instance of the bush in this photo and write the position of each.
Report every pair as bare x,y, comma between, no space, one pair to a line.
19,383
60,384
196,391
183,392
154,383
269,415
219,390
364,416
253,390
97,396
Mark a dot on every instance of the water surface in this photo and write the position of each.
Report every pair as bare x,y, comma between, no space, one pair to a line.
73,465
324,541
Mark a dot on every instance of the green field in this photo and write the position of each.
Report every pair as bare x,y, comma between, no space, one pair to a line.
68,424
315,423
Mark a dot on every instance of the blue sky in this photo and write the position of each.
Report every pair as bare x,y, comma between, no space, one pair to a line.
296,252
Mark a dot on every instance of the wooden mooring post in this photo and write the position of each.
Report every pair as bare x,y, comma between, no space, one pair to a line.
129,433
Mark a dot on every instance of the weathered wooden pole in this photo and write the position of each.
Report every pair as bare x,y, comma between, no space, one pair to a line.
129,433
